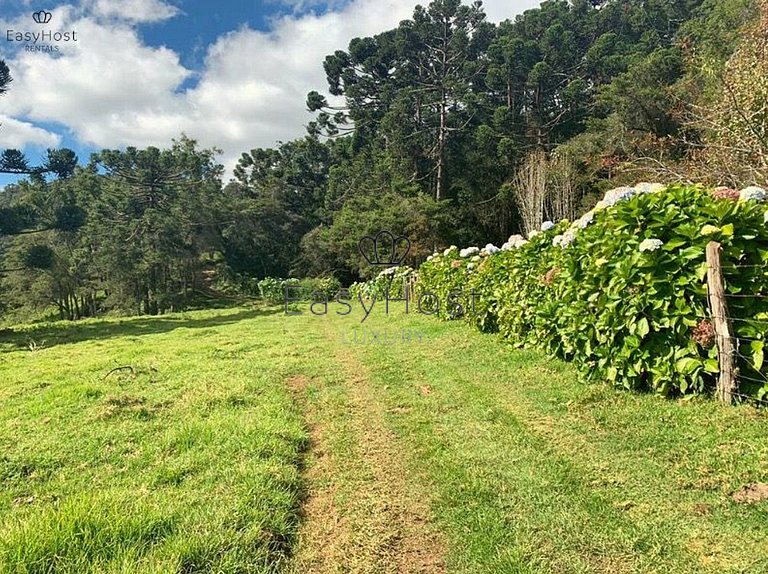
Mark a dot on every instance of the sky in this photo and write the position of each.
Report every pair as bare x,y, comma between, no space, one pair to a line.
232,74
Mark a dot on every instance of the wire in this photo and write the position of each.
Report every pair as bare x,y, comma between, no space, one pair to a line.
742,296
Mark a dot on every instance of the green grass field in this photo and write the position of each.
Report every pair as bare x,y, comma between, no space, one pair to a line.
244,440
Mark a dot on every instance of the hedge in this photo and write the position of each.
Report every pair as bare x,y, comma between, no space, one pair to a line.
622,291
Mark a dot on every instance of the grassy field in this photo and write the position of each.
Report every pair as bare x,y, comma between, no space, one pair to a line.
244,440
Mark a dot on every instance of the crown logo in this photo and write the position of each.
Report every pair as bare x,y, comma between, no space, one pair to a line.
384,249
42,17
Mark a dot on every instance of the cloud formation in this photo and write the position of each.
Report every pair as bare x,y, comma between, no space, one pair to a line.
136,11
111,90
18,134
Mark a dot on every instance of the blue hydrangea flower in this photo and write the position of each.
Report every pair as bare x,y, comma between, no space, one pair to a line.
618,194
547,225
753,193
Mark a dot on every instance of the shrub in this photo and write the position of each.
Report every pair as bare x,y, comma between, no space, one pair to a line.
272,290
446,275
622,291
393,280
311,287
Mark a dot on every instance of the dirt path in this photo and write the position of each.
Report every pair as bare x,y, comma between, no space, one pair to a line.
363,513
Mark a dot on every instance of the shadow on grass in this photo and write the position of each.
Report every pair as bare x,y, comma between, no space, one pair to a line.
66,332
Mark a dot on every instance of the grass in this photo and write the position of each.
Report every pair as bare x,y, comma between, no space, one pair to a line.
187,462
534,472
198,457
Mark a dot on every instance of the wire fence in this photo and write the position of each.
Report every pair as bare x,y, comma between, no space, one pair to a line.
730,313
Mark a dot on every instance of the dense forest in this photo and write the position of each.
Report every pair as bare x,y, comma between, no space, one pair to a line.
448,128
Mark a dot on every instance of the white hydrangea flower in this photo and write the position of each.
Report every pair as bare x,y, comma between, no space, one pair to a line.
516,240
430,257
490,249
468,251
568,237
533,234
475,258
547,225
753,193
448,251
388,271
645,187
599,206
557,240
470,266
765,217
585,219
618,194
650,244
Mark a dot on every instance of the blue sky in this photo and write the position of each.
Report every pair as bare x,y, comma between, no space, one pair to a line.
231,74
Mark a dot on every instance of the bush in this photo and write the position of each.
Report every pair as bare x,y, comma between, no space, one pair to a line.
622,291
272,290
393,279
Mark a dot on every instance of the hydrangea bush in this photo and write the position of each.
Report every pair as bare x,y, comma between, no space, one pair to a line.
445,274
392,280
272,289
622,291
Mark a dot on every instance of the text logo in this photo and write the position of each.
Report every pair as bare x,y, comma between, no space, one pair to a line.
42,17
41,39
384,249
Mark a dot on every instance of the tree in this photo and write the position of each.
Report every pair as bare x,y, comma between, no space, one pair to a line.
733,121
439,51
408,90
5,77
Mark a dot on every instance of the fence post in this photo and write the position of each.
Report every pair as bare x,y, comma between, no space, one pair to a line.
726,352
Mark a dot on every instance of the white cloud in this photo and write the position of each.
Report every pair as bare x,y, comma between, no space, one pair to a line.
16,134
111,90
96,89
132,10
498,10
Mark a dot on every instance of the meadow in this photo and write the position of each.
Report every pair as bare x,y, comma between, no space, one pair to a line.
245,440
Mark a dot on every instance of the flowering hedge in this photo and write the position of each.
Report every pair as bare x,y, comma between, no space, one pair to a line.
392,279
272,289
622,291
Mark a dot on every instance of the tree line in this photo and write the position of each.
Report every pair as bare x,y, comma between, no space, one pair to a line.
448,128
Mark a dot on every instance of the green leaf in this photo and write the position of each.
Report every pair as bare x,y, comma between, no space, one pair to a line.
687,365
642,327
711,366
757,354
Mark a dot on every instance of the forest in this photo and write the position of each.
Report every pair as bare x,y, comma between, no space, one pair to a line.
449,129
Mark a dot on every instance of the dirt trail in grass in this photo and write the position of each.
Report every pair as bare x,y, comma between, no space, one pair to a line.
363,514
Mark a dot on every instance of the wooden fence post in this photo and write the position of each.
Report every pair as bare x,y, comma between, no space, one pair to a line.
726,351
